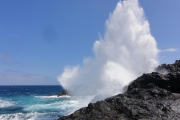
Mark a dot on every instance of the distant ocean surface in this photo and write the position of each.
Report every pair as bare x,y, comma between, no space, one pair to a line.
36,103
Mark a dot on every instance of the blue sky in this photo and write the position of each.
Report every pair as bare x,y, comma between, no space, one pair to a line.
39,38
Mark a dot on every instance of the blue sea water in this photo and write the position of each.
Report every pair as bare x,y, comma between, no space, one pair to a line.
36,103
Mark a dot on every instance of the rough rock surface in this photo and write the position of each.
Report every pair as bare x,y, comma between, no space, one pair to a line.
62,93
153,96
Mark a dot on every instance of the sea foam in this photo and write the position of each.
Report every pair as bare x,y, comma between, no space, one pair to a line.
5,103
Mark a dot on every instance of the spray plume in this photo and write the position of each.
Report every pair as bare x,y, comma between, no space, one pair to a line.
126,51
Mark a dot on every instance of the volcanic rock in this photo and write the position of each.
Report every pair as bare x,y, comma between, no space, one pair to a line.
62,93
153,96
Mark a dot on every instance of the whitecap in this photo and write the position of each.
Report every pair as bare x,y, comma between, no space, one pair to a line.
29,116
54,96
4,103
66,106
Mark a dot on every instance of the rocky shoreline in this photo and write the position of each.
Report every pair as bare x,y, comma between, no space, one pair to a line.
153,96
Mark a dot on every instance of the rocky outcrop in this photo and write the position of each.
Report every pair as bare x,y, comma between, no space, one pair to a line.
62,93
153,96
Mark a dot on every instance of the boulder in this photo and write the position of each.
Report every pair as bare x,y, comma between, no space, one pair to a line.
62,93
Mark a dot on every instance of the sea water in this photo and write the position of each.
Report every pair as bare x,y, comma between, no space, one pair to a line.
37,103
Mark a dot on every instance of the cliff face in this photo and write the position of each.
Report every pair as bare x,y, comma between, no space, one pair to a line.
151,96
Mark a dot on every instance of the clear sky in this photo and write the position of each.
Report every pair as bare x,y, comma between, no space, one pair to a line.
38,38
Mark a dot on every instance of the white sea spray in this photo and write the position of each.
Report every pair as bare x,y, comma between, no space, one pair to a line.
126,51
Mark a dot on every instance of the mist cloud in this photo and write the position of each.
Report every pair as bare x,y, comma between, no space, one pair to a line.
126,51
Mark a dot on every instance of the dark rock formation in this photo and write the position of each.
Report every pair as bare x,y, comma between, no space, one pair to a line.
153,96
62,93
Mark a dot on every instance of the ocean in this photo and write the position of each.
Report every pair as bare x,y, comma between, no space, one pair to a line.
37,103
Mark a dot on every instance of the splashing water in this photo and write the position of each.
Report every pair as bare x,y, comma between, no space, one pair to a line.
126,51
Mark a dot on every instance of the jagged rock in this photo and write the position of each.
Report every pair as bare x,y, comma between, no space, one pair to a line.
153,96
62,93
